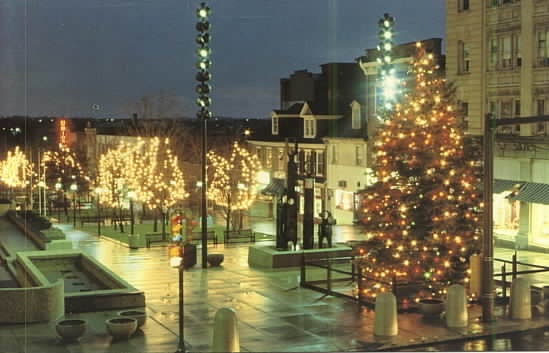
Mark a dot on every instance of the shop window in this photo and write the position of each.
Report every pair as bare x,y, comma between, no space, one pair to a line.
506,214
344,200
540,224
320,163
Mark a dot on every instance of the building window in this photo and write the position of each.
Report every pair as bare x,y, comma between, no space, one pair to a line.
493,52
274,126
268,158
506,214
355,112
359,155
463,55
540,127
506,51
543,55
309,128
320,163
518,55
463,5
334,154
281,159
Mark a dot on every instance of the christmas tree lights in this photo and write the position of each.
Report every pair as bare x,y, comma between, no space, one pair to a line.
423,213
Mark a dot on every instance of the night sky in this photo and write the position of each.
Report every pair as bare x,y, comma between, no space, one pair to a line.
62,57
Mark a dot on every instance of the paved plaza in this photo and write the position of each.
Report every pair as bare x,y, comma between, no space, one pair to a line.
275,314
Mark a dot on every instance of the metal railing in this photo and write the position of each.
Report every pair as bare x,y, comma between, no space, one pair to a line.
344,269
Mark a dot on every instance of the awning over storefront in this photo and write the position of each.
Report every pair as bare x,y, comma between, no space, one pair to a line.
501,185
533,192
276,188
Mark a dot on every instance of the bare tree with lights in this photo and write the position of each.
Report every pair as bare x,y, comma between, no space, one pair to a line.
233,182
62,166
15,170
423,213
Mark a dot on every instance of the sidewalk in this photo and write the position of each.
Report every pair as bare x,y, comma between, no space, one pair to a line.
275,314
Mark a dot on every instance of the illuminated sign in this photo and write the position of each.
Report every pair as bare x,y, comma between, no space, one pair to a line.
63,131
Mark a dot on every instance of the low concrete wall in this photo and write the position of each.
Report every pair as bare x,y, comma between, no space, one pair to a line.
37,237
32,304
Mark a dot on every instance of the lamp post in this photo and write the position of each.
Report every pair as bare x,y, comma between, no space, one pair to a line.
131,197
176,253
98,192
41,202
57,188
74,187
203,101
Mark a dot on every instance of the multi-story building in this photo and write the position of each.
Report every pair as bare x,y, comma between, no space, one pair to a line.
498,57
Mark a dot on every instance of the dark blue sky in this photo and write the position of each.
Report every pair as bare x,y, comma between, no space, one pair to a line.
60,57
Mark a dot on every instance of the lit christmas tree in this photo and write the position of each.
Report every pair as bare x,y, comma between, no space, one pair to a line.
423,211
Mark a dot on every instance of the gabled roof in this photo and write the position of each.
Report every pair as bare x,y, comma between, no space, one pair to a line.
302,109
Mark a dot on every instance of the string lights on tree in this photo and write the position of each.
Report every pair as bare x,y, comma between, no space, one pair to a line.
423,213
233,180
16,169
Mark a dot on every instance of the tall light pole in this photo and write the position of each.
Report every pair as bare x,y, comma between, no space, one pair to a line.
387,72
58,187
203,101
98,191
131,197
74,188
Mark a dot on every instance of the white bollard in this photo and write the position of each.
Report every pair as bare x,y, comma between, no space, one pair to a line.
386,323
521,308
474,283
456,307
225,336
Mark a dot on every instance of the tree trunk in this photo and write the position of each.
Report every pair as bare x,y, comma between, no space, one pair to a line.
163,225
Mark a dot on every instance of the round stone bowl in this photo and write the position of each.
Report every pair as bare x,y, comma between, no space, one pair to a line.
431,307
71,329
215,259
139,315
121,327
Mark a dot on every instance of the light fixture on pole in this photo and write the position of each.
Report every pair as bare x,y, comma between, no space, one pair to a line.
176,254
58,187
203,101
74,188
387,72
98,192
131,197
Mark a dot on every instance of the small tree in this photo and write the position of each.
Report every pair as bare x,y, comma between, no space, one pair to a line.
233,181
15,170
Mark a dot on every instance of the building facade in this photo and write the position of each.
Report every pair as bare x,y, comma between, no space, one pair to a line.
498,57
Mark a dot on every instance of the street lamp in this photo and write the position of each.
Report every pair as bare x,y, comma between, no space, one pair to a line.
41,202
203,101
98,192
58,187
74,187
176,254
131,197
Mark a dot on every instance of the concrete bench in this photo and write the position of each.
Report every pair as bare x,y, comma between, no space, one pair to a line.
197,236
151,238
91,219
232,235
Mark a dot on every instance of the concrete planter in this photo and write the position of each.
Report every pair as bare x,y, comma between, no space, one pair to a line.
139,315
215,259
121,327
136,241
71,329
431,307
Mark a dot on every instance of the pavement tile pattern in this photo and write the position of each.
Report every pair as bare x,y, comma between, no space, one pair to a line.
275,314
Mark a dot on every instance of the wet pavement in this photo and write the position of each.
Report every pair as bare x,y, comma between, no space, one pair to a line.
275,314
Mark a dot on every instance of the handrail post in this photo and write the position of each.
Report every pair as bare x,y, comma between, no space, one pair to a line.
302,270
353,269
504,280
514,267
329,275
